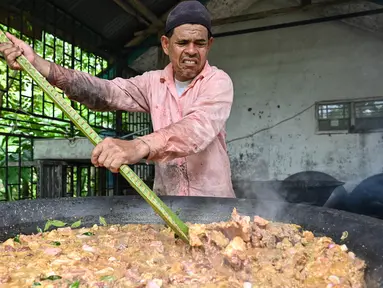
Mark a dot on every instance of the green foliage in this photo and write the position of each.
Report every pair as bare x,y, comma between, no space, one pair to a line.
26,111
18,150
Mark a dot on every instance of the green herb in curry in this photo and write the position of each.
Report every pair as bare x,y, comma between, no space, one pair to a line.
108,278
17,238
102,221
75,284
56,223
52,278
76,224
344,236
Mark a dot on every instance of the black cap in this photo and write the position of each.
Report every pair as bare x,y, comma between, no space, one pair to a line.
188,12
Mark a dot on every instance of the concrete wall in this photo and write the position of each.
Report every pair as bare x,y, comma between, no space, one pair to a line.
278,76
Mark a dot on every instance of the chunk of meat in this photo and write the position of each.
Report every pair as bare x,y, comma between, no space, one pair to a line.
5,278
88,248
9,243
217,238
256,236
239,226
157,245
307,237
235,253
260,222
155,283
52,251
221,233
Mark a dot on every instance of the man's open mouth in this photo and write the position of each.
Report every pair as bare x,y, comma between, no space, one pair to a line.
190,62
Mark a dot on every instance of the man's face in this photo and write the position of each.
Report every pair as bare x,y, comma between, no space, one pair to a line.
187,50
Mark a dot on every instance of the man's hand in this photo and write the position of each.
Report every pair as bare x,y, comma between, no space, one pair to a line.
112,153
15,48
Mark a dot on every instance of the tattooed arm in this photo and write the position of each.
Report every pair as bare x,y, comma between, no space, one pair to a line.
100,94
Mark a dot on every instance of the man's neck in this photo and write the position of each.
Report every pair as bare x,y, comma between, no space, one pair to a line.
182,81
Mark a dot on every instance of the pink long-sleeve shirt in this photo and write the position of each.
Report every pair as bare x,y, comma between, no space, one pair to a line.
188,143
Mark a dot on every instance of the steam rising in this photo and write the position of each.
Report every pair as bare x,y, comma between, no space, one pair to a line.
270,198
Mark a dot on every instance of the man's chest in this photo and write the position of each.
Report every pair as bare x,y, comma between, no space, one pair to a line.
169,107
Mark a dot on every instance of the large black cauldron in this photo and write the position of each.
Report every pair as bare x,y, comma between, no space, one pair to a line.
365,233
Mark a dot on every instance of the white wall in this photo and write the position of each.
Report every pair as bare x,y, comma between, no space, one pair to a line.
279,73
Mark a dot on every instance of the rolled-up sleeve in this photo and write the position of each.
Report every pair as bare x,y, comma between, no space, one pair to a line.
101,94
200,125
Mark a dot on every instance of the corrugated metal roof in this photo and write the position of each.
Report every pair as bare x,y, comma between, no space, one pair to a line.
103,16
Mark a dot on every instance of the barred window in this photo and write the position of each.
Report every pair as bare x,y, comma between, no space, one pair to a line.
333,117
368,115
354,116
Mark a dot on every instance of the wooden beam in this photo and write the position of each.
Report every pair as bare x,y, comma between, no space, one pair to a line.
23,164
152,29
136,4
131,11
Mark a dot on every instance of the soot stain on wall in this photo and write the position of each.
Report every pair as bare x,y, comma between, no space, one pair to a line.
307,161
329,159
249,165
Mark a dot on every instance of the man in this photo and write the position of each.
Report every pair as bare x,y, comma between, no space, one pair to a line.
189,102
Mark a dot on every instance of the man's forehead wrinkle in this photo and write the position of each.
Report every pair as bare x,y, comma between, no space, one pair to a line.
190,34
190,39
